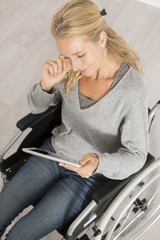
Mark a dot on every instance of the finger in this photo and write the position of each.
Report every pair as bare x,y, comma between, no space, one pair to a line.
85,160
49,68
59,62
87,157
54,66
89,168
66,65
85,171
69,167
59,65
62,64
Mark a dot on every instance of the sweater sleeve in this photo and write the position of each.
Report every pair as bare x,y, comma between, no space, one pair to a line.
132,153
39,100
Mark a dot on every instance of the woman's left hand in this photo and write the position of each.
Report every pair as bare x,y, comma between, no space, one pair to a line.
89,164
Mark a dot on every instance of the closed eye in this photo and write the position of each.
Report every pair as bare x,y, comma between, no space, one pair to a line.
81,56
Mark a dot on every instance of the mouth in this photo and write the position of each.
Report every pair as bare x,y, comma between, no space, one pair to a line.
82,71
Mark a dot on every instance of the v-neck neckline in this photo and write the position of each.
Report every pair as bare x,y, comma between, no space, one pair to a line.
119,75
78,100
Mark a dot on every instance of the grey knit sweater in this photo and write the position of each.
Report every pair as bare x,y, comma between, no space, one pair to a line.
115,127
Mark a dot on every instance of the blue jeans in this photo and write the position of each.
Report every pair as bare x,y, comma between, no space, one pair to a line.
60,195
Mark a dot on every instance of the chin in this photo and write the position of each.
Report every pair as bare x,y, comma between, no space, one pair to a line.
89,73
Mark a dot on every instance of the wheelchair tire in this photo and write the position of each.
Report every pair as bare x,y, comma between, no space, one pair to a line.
134,211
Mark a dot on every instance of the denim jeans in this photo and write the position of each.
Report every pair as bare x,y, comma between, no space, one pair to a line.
60,195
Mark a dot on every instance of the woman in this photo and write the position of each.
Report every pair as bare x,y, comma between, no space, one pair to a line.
104,123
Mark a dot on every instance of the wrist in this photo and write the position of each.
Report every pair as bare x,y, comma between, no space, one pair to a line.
97,158
45,89
97,161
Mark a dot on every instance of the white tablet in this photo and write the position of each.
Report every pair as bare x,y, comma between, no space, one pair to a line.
51,156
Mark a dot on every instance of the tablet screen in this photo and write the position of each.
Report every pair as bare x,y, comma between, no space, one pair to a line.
52,156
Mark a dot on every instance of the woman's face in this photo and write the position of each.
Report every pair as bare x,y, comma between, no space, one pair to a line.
84,56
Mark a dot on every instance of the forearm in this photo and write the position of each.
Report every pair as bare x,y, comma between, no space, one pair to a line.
120,165
39,100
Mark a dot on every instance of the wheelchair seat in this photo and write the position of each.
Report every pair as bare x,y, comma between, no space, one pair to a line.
98,215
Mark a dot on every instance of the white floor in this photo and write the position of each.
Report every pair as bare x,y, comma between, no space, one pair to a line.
25,43
155,3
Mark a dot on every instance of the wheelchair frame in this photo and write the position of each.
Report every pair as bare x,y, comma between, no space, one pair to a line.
122,196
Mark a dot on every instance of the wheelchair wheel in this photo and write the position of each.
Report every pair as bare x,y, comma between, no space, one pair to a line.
135,209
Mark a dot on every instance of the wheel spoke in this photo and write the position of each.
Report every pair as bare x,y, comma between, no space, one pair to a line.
135,208
124,220
128,225
153,197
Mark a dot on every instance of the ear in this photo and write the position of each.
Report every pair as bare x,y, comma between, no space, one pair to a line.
103,39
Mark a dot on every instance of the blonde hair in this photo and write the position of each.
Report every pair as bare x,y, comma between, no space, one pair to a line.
83,18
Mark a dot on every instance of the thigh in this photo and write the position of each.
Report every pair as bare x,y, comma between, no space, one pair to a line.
27,186
60,205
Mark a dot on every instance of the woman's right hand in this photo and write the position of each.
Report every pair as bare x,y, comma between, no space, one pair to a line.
53,72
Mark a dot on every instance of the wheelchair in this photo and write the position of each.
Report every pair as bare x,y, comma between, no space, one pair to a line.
121,209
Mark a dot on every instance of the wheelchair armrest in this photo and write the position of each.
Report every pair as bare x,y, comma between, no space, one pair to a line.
113,187
31,119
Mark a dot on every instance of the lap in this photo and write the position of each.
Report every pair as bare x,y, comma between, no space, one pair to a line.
61,194
60,204
30,183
